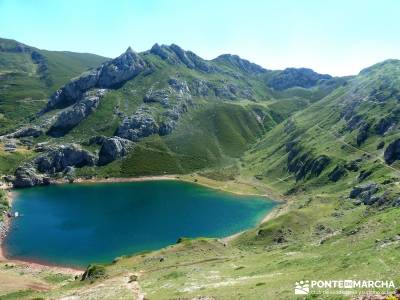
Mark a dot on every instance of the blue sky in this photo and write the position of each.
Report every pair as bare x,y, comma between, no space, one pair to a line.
339,37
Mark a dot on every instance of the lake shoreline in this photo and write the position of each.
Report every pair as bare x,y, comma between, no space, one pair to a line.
184,178
31,264
195,180
5,221
217,185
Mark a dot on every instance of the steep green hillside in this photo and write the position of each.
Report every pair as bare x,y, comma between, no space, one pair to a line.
28,76
347,132
173,111
328,148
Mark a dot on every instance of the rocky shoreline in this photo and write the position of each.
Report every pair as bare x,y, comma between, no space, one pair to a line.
5,222
4,225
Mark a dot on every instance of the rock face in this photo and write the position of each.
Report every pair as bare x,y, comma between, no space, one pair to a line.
243,64
110,74
362,134
73,115
305,164
140,124
301,77
26,176
176,55
160,96
358,191
384,125
176,98
366,194
112,149
200,87
388,122
337,173
61,157
392,152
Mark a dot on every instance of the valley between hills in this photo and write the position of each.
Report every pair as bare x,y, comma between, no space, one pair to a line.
327,148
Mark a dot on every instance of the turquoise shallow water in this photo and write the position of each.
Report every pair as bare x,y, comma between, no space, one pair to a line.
78,224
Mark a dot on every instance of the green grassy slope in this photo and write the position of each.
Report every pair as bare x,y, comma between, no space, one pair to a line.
318,234
287,143
26,83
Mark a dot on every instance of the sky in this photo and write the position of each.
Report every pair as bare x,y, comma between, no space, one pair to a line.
339,37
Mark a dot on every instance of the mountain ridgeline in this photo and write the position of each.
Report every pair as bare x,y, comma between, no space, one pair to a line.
156,101
168,111
330,146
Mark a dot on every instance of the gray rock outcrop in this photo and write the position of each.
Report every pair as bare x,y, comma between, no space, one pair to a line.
160,96
365,194
140,124
200,87
60,157
304,164
110,74
337,173
73,115
300,77
392,152
362,134
242,64
33,131
176,55
113,148
27,176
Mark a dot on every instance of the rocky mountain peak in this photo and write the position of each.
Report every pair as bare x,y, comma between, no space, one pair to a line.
109,75
129,50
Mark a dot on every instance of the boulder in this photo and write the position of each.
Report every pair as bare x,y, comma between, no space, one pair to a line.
112,149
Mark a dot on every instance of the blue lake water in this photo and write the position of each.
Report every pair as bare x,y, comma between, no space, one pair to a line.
78,224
